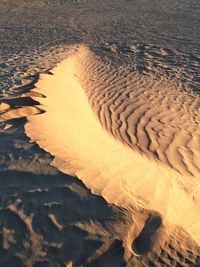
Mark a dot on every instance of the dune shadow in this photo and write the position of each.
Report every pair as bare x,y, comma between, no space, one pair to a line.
71,222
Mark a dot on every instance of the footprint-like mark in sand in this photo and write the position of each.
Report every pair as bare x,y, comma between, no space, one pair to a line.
145,240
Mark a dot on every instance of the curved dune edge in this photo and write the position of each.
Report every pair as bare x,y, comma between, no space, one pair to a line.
70,131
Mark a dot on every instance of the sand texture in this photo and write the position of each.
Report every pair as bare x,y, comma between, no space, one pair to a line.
161,172
117,131
106,92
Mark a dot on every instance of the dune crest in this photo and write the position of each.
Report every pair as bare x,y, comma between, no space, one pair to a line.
152,161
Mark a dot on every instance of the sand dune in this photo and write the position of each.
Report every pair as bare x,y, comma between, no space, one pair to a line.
121,113
129,137
151,163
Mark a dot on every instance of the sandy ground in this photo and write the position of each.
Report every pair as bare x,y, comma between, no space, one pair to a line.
48,218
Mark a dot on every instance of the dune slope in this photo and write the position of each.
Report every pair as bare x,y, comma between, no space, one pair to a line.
151,163
129,137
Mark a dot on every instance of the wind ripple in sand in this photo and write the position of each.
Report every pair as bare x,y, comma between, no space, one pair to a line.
156,118
153,161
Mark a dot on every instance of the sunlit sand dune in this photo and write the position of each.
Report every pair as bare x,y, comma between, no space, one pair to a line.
130,138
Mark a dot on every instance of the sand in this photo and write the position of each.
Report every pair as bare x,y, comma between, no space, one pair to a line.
160,171
124,141
114,102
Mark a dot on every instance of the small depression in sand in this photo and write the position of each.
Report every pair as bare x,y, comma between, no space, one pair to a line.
132,139
144,241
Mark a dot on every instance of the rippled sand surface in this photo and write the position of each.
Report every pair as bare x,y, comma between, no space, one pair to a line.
108,93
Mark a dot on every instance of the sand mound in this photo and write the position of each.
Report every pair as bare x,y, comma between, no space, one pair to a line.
152,161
